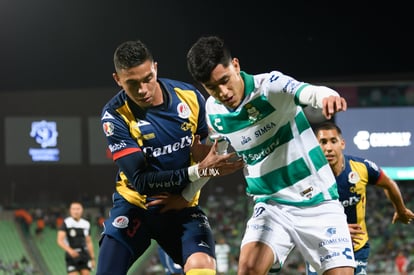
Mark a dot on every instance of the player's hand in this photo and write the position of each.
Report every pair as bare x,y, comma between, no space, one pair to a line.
333,104
199,150
214,165
168,201
405,217
73,253
356,231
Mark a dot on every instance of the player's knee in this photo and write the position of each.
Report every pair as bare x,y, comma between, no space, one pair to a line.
200,261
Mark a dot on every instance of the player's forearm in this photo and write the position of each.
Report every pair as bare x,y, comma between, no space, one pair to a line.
313,95
196,183
90,249
395,196
148,182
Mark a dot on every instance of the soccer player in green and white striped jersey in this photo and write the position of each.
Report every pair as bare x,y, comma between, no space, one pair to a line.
287,174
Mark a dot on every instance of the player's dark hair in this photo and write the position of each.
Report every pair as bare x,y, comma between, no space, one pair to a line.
205,55
130,54
327,125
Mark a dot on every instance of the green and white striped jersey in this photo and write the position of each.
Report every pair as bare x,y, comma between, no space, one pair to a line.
270,131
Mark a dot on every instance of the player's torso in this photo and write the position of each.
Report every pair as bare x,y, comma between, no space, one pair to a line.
164,133
76,232
267,125
352,188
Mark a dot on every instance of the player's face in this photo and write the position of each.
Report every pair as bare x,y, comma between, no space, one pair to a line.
226,85
332,145
76,211
140,84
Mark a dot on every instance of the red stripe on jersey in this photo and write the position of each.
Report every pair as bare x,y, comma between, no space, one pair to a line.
125,152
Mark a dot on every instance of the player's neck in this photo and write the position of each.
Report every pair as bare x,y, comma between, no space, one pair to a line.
339,167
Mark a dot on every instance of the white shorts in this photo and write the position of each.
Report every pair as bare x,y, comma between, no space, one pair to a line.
319,232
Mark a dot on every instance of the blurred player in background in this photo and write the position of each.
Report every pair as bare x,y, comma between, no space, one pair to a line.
222,256
74,238
353,175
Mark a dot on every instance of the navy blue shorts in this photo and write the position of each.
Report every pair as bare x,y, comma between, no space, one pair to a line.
180,233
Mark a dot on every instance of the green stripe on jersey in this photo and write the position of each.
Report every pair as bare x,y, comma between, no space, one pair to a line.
318,158
301,122
278,179
252,112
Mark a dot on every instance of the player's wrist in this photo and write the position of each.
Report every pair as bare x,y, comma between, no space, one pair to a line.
193,174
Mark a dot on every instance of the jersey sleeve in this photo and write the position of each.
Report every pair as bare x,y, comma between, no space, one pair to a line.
120,142
151,182
374,171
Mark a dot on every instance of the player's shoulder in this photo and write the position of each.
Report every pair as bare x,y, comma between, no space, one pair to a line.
367,162
114,103
173,83
353,158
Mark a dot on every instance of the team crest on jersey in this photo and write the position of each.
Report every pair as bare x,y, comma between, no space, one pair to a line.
121,222
72,232
183,110
108,128
353,177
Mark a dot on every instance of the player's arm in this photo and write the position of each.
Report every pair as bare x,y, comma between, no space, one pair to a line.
213,165
151,182
61,241
91,251
356,231
393,193
322,97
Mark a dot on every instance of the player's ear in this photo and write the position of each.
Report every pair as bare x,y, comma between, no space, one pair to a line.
116,78
236,64
343,143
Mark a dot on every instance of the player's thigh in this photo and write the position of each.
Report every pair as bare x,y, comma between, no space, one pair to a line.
267,239
183,233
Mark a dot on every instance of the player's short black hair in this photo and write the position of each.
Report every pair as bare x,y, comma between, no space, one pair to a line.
130,54
205,54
